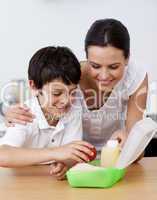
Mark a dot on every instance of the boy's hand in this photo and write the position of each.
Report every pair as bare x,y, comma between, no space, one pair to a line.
76,151
18,114
58,170
121,136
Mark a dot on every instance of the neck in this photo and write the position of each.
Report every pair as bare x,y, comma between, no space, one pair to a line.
51,119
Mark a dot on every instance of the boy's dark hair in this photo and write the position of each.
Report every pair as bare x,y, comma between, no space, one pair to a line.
51,63
108,32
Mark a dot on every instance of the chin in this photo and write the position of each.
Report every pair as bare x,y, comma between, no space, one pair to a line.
106,88
61,114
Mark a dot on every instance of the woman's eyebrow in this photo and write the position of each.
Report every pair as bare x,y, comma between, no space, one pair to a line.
91,62
117,63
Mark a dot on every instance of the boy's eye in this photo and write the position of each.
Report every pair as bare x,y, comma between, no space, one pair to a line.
73,93
57,93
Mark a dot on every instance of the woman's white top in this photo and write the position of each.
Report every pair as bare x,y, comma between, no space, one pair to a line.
99,125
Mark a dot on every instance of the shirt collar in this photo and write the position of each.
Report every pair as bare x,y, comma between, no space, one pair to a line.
34,105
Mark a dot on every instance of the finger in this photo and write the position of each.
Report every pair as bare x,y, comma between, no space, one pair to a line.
77,159
56,168
24,118
52,167
84,143
21,112
24,107
116,137
20,106
27,112
81,155
83,149
17,121
9,124
61,178
19,117
62,173
119,140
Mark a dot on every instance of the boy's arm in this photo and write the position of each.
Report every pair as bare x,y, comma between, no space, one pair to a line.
12,153
19,157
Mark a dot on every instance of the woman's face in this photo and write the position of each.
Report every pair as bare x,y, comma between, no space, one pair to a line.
106,66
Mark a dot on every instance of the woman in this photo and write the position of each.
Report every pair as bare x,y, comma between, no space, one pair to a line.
113,90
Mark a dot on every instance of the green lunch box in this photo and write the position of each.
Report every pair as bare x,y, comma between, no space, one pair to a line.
103,178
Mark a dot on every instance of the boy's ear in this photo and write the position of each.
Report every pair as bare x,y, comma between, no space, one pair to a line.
32,85
33,88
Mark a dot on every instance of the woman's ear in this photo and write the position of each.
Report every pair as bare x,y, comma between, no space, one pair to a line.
127,60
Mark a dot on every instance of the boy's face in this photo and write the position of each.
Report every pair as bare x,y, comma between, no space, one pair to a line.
56,97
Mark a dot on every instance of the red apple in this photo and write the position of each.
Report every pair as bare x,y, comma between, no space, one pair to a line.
92,157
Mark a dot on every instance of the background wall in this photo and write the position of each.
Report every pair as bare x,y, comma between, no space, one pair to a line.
28,25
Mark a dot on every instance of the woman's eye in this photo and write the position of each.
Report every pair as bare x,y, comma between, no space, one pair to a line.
95,66
114,67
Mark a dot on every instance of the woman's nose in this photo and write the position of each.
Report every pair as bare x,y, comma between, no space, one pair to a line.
104,74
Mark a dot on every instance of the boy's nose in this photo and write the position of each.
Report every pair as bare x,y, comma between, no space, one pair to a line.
64,100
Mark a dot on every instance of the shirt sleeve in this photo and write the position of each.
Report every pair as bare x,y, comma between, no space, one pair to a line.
135,75
15,136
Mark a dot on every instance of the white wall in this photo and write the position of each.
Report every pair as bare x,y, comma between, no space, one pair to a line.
27,25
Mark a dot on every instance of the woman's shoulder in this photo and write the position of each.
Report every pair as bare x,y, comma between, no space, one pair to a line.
134,75
83,67
84,81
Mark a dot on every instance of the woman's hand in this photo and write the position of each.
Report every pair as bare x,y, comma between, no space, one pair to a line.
121,136
78,151
58,170
18,114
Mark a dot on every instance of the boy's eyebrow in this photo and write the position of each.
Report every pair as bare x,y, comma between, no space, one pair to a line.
73,89
61,89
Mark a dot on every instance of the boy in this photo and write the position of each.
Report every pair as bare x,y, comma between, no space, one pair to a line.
53,73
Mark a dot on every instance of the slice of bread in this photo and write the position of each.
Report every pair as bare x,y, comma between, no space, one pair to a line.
85,167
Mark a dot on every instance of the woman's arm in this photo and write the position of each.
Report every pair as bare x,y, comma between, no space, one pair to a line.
137,105
136,108
18,114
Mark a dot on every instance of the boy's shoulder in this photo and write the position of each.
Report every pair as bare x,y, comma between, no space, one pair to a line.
30,127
